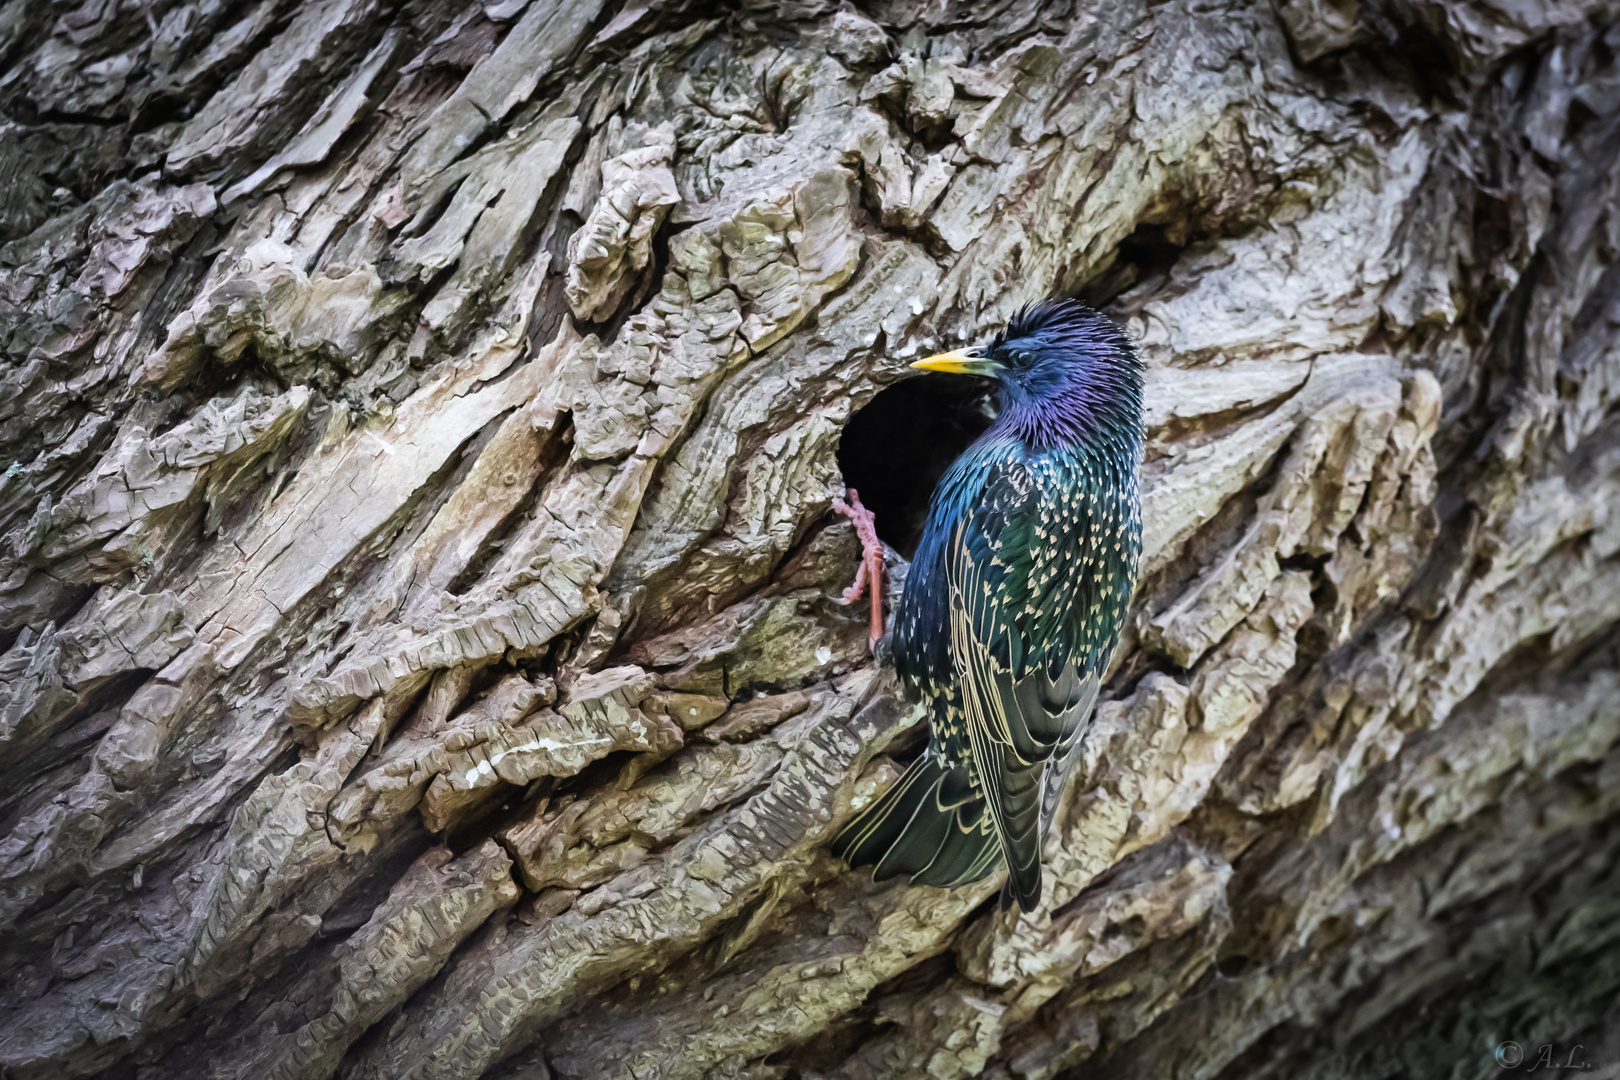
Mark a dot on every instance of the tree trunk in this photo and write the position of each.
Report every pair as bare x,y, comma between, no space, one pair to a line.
420,598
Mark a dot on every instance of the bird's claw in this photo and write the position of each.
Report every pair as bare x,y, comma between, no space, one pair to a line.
870,574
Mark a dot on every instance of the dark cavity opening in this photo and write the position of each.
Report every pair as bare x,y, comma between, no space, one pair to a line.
1148,253
895,450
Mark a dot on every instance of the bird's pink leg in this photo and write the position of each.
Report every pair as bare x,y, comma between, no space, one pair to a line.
870,574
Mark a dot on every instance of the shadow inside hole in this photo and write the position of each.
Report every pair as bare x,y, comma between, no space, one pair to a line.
895,450
1148,253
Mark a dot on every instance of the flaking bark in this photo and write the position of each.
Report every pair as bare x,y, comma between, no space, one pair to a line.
420,653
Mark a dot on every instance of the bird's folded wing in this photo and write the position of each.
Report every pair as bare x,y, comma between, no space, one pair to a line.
1020,589
1067,751
987,648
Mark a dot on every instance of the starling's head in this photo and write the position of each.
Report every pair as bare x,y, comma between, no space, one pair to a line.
1062,369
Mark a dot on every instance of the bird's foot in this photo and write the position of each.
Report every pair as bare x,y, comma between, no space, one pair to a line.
870,574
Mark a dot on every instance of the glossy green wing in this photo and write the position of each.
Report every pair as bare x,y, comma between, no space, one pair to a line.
1035,595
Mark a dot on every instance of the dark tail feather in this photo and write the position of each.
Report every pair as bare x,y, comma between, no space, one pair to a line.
970,851
871,834
1021,811
924,827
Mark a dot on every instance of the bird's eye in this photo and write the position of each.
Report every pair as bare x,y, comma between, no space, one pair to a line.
1022,358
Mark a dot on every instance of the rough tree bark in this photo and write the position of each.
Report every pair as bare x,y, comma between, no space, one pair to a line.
421,653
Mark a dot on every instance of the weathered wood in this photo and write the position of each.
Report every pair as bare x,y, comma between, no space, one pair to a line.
421,651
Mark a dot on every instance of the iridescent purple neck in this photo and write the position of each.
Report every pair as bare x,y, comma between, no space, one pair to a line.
1078,414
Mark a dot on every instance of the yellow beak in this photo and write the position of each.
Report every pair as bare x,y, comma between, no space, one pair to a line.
957,362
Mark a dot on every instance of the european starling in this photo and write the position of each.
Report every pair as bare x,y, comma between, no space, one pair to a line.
1014,603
